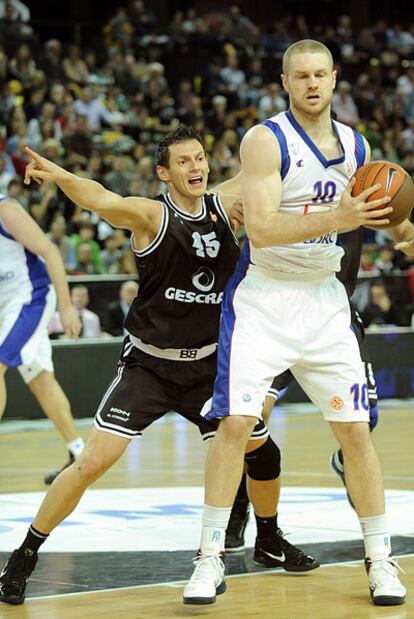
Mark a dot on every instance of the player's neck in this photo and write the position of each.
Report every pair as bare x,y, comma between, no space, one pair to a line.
189,204
317,127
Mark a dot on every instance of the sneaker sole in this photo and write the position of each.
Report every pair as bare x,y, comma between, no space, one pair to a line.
199,601
388,600
288,568
12,600
234,549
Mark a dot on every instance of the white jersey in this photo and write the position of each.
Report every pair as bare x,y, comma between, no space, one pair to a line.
23,275
310,183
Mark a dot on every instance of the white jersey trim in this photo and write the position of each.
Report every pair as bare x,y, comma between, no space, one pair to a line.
159,237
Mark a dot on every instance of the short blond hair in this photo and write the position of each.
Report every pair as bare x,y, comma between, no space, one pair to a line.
304,46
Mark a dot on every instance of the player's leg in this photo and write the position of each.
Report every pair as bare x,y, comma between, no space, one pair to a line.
240,511
38,374
337,460
245,363
333,376
101,451
116,422
3,392
263,481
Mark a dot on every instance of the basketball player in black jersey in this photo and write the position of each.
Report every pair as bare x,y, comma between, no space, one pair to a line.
185,251
352,244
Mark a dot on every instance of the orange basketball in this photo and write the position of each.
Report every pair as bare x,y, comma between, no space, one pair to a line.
395,182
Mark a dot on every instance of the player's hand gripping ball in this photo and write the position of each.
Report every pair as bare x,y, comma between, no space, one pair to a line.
395,182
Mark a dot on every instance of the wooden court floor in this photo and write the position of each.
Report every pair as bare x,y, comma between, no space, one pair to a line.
171,455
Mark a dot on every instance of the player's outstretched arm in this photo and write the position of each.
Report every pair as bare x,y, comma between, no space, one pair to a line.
26,231
404,235
262,191
137,214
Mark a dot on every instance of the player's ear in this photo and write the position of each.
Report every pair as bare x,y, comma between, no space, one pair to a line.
285,83
163,173
334,74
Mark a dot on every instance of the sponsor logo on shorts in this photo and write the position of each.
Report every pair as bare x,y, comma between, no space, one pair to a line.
119,414
246,397
337,403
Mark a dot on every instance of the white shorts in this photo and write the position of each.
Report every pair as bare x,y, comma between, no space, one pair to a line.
269,325
24,341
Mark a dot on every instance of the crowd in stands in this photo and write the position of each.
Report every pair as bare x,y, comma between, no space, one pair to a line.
100,110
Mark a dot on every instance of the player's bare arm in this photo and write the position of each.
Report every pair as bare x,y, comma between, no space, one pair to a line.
26,231
229,192
262,191
141,216
404,235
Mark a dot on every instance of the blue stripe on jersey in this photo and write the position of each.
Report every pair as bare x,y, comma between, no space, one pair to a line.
4,232
324,161
360,150
244,259
281,138
220,404
23,329
37,270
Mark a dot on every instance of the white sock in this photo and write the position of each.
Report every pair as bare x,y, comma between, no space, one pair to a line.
376,537
215,521
76,446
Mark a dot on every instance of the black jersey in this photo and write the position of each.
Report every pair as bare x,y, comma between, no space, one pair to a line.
352,245
182,275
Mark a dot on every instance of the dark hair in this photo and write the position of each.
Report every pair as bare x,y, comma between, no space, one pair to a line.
181,134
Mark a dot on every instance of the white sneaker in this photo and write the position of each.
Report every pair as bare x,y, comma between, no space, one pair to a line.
384,584
207,580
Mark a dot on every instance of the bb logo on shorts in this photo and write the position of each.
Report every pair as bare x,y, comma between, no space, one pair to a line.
337,403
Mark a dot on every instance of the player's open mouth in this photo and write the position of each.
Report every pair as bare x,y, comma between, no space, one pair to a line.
196,181
313,97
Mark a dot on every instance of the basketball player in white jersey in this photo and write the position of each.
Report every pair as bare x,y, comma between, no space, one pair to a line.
285,309
31,270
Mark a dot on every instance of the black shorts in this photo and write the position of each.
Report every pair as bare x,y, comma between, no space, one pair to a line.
284,379
147,387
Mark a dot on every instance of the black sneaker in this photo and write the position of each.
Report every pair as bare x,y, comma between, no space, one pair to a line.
338,468
50,478
15,574
239,518
276,551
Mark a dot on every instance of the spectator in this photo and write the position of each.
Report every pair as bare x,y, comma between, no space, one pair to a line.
74,67
79,139
111,254
93,109
58,236
367,263
84,261
385,260
381,310
50,60
272,102
118,179
116,311
92,260
239,30
18,192
22,67
91,325
5,176
344,106
126,264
